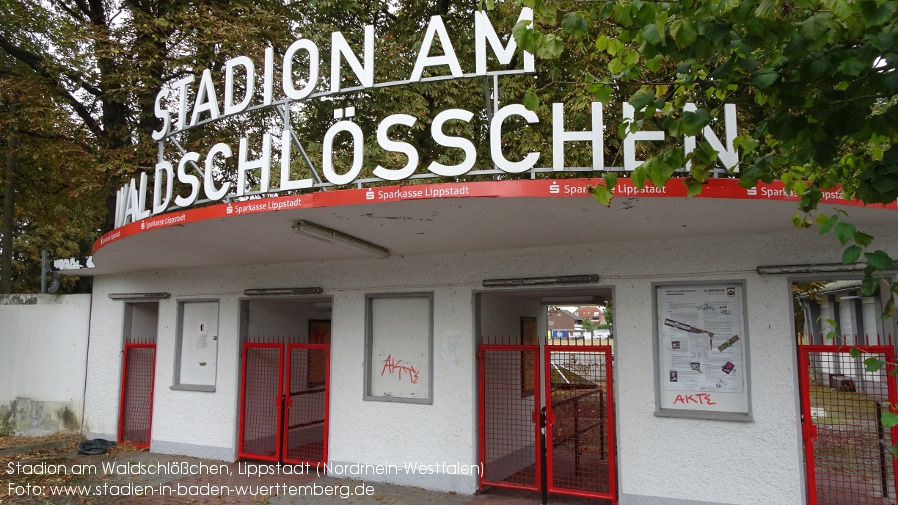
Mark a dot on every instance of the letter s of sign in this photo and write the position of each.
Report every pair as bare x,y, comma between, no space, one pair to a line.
185,178
436,131
358,148
162,114
399,147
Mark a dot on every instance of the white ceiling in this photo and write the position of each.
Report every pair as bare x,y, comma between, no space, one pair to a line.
430,226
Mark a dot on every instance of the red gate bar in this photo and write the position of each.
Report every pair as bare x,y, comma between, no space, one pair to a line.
307,404
847,457
261,397
580,421
509,416
136,402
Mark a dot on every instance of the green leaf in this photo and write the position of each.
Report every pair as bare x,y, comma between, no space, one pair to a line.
815,28
693,187
766,10
827,223
651,35
639,102
878,259
889,419
531,100
854,352
602,194
623,14
574,25
868,286
683,32
603,94
525,36
862,239
799,221
889,309
695,121
851,254
894,449
844,232
549,47
764,79
874,364
610,179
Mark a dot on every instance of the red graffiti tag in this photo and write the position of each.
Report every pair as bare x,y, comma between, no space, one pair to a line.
393,366
699,398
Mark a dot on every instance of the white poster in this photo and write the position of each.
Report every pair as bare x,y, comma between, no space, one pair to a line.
400,343
701,340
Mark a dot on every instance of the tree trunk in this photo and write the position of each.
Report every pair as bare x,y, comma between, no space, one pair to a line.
9,201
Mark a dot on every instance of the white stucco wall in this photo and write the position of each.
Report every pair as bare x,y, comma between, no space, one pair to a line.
660,460
43,352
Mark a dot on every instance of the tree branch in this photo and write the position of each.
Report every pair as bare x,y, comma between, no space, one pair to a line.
36,63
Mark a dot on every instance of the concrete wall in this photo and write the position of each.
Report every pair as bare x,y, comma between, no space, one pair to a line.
660,460
43,352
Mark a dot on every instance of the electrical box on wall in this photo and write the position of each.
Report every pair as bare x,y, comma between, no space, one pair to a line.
198,344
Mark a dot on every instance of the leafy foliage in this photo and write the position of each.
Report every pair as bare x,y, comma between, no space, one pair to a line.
815,81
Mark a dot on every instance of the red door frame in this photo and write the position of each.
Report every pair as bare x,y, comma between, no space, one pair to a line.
289,400
241,452
534,415
609,420
123,399
809,431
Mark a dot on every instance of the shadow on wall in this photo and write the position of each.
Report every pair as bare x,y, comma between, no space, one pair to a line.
23,416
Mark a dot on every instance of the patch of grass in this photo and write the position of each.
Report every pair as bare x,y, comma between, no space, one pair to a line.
843,405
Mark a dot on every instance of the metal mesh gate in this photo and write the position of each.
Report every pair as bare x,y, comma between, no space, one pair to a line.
509,415
579,418
305,437
846,447
580,421
136,409
260,421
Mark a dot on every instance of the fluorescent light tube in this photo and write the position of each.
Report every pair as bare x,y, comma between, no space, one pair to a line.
335,237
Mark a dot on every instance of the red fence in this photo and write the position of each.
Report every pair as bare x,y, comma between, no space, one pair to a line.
261,398
284,402
136,408
847,456
579,417
509,416
305,425
580,421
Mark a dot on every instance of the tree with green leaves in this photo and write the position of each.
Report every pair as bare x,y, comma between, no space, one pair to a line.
78,84
815,81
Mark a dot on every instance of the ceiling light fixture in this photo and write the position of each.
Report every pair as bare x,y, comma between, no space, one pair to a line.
572,300
541,281
335,237
139,296
282,291
821,268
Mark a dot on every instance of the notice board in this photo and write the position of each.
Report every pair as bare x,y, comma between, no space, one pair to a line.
400,348
701,345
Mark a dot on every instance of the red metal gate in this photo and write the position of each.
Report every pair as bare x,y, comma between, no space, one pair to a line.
847,456
580,421
261,401
136,408
509,416
579,418
305,418
284,402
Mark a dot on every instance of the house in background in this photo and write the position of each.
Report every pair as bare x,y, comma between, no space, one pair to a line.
561,319
592,313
